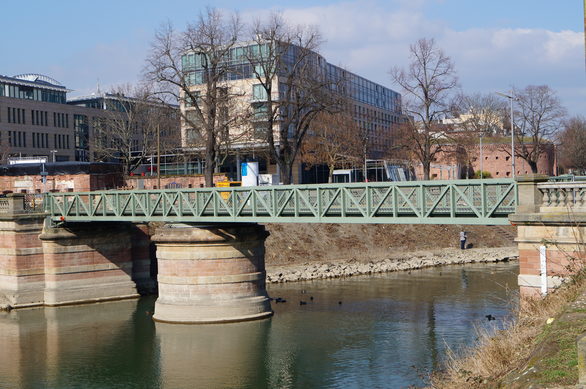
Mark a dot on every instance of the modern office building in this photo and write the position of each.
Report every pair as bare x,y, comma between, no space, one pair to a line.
374,107
37,119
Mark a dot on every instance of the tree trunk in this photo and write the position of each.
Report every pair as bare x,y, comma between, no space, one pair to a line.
286,172
330,174
210,163
426,170
533,166
208,171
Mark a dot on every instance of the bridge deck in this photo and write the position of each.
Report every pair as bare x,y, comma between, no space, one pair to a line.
487,202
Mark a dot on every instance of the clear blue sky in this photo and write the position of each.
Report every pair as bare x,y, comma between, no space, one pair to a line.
79,42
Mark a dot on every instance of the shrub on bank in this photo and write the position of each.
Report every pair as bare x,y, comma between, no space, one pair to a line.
485,174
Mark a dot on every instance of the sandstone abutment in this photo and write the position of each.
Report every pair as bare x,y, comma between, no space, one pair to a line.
87,262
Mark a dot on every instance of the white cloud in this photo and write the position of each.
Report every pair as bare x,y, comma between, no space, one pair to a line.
369,39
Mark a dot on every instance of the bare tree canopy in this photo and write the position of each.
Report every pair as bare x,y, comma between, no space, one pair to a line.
480,113
192,67
292,87
539,118
132,127
427,85
572,149
334,141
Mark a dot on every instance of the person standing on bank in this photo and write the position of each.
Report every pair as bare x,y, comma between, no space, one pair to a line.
463,237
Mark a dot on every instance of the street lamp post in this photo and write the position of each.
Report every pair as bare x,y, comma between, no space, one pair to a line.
511,98
158,156
481,157
53,152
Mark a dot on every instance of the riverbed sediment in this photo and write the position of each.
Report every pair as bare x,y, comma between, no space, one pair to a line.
313,270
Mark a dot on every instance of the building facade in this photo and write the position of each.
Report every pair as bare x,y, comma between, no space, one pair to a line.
375,109
493,158
37,119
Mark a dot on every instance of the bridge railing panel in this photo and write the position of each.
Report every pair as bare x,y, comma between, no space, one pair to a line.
470,201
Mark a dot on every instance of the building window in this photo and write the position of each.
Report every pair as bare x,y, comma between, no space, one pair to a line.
259,93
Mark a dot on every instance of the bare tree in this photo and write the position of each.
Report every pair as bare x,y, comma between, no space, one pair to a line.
192,67
539,118
572,140
334,141
479,113
292,87
130,129
427,84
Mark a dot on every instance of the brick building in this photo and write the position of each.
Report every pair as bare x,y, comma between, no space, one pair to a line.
494,159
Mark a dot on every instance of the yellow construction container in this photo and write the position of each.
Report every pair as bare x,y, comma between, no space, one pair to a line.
227,184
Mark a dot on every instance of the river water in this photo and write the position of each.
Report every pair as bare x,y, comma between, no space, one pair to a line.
381,331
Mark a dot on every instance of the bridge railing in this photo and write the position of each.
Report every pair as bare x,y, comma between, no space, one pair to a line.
561,196
438,202
19,203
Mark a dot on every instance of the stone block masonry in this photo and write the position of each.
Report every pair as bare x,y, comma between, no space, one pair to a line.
551,232
211,274
22,269
77,263
88,262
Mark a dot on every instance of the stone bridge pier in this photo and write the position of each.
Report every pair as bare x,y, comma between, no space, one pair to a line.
206,273
211,273
551,232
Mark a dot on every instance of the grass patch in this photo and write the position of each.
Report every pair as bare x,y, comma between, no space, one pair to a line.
560,366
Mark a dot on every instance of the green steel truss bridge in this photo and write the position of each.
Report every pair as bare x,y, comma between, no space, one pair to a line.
485,202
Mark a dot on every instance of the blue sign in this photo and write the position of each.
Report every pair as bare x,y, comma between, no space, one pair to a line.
244,169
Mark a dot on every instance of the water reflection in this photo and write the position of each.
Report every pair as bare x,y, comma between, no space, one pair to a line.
388,331
213,356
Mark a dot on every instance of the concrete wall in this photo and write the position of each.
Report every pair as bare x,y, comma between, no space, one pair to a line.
194,181
84,182
22,262
211,274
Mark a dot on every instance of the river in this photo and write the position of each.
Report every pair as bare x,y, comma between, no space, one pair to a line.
381,331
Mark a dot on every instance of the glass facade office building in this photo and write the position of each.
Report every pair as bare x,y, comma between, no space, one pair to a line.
357,88
376,108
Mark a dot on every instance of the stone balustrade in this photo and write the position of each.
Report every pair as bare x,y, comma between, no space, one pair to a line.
562,196
20,203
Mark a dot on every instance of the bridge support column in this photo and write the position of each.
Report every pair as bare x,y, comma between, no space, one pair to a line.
87,262
211,274
22,278
550,232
